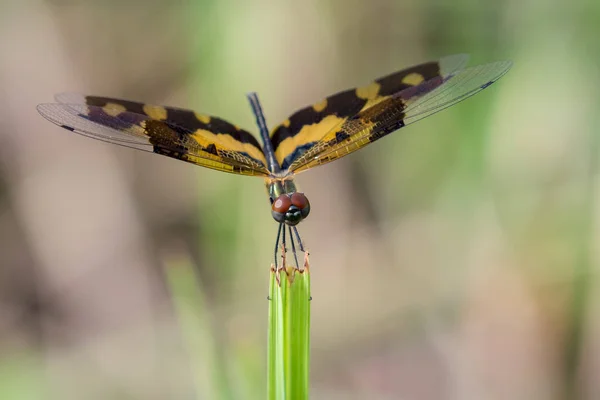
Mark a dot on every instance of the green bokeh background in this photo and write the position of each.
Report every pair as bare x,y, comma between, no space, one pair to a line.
455,259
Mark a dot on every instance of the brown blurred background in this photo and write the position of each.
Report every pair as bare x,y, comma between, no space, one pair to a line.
456,259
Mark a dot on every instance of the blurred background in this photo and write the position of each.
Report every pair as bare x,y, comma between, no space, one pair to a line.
455,259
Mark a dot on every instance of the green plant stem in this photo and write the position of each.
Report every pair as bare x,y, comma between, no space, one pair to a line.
289,334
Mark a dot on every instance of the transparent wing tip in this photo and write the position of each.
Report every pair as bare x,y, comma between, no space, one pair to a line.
497,67
69,98
452,63
48,111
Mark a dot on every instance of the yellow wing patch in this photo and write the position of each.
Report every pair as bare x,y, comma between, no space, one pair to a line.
369,92
320,106
227,143
205,119
413,79
353,134
113,109
155,112
307,135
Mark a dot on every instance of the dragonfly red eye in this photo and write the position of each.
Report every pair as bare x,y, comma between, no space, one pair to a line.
282,204
300,200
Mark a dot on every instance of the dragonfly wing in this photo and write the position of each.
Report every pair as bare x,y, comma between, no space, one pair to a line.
308,126
396,111
181,134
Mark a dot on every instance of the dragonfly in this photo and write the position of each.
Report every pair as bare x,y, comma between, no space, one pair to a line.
312,136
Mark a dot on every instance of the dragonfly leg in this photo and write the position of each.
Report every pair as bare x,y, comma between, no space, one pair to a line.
277,243
294,248
300,244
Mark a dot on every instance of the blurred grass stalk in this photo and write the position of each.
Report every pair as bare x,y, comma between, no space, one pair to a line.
195,326
289,333
583,270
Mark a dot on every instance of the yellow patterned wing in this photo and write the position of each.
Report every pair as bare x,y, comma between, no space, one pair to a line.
173,132
310,125
395,111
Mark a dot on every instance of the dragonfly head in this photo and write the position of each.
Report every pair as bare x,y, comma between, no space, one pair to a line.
290,208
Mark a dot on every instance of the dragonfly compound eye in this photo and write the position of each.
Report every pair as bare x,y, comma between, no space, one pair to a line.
280,207
290,209
299,200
